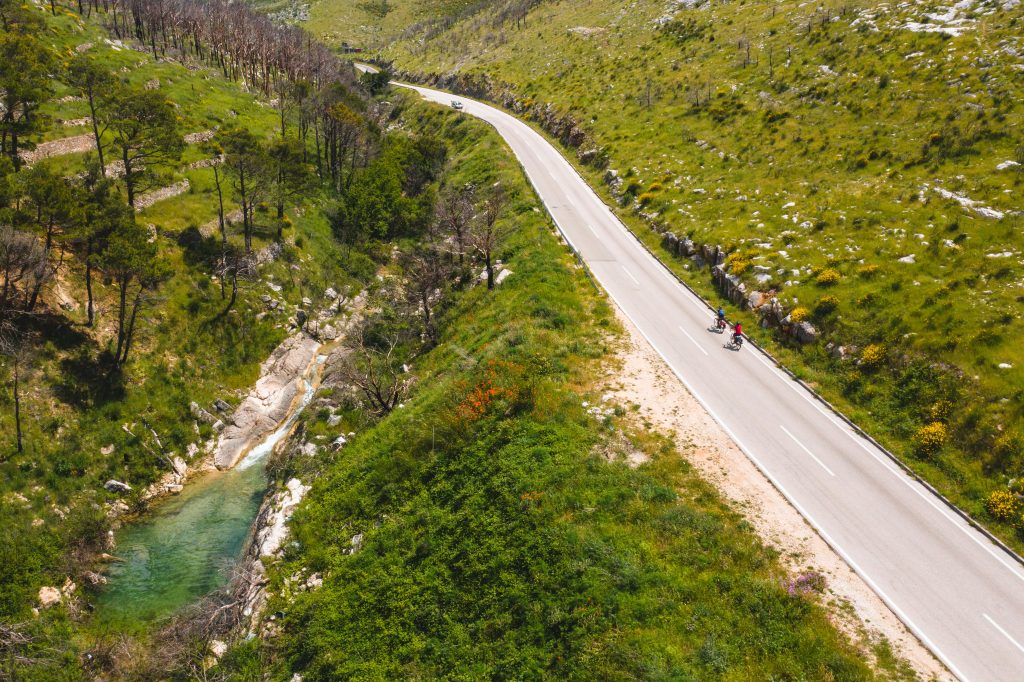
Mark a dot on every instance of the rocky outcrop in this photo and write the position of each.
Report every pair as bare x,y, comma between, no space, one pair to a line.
117,487
49,596
270,400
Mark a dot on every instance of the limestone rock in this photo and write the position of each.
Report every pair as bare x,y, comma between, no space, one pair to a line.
117,487
805,332
48,596
200,413
221,405
218,648
94,578
107,449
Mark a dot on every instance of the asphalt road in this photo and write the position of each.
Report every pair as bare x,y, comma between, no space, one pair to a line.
958,592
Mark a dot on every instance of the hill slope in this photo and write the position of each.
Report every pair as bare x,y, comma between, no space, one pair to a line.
860,162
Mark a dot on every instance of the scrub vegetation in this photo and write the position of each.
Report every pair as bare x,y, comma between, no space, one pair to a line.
860,161
491,525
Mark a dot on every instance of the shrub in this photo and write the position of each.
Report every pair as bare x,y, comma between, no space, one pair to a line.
867,271
1001,504
930,437
1006,445
873,355
941,410
646,198
737,263
826,305
828,277
799,314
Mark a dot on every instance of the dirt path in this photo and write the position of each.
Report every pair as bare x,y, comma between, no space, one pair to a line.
642,378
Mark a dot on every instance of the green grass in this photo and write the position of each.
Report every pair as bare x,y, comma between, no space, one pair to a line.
846,123
497,540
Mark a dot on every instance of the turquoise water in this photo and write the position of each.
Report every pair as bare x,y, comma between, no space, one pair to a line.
187,545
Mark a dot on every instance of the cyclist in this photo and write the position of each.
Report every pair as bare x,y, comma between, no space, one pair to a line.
720,322
737,333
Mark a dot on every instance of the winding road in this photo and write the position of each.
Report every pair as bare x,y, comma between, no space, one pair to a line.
962,595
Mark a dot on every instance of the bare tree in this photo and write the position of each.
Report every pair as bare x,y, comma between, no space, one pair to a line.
453,213
16,348
232,266
377,373
486,234
426,274
24,268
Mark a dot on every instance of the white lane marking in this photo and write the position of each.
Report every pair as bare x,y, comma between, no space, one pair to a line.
699,347
792,500
800,508
924,494
1005,633
571,202
786,431
592,229
635,280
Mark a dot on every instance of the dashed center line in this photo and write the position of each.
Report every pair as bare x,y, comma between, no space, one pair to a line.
635,280
699,347
1004,632
804,447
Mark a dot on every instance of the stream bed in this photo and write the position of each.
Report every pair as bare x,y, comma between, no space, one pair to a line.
186,546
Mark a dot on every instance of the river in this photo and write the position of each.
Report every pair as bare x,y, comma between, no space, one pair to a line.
187,545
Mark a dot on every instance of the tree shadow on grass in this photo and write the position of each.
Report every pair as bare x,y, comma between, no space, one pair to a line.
55,329
89,381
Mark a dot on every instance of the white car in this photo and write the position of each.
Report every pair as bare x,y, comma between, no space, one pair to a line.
456,104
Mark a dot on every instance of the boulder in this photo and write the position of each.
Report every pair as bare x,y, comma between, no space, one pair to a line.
502,276
218,648
687,247
107,449
755,300
48,596
94,578
180,467
805,332
201,414
300,317
330,293
174,488
306,301
837,352
117,487
221,405
328,332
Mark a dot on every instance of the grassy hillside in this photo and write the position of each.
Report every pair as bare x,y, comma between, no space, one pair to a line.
860,161
492,526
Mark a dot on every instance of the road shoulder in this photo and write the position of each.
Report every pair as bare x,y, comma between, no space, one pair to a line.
639,377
